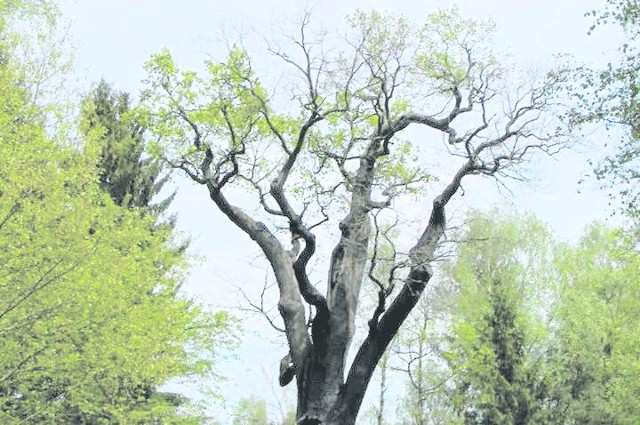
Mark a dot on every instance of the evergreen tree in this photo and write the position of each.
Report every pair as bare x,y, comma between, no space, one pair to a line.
131,178
496,352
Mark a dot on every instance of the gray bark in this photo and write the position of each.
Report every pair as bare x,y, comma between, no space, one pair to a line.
318,356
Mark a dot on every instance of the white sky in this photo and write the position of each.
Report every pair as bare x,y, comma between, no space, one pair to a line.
114,38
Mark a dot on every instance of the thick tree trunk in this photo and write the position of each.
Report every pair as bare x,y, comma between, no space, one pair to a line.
324,397
250,122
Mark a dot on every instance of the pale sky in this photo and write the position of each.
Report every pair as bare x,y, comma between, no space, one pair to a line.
113,39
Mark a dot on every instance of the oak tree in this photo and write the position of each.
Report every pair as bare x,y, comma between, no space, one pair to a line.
337,146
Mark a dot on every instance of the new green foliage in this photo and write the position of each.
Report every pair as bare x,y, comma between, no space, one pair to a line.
89,313
327,149
540,332
253,411
610,97
598,326
495,350
88,305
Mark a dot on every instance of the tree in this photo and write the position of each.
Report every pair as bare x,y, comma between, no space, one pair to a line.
534,326
498,345
130,179
338,159
380,271
420,347
597,357
253,411
377,412
88,309
610,97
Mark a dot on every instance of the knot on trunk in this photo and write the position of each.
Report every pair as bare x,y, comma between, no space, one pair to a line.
309,421
287,370
420,275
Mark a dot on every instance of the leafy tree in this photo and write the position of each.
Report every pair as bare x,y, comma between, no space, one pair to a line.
88,310
535,326
130,180
599,275
253,411
337,157
611,97
598,356
497,349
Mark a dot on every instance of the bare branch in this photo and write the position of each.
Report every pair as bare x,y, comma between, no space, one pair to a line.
260,308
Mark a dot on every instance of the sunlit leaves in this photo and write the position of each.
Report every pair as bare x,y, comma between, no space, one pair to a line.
563,318
598,326
226,104
384,38
456,51
89,316
496,337
353,96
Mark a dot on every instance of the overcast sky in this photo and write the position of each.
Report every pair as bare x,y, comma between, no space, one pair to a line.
113,39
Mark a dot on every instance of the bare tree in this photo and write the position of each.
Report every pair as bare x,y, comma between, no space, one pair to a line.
338,159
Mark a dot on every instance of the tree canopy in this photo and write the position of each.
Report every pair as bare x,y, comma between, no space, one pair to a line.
341,156
535,331
337,158
90,314
609,97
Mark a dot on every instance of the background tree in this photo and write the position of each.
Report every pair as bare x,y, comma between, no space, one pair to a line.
611,97
598,356
380,270
88,308
131,178
335,158
419,351
598,275
497,350
253,411
533,329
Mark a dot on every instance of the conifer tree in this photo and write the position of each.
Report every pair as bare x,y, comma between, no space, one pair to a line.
131,178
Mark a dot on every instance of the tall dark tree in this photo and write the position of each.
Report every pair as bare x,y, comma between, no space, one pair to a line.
131,177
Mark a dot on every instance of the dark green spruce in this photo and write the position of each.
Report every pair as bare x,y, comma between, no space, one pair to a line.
131,177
